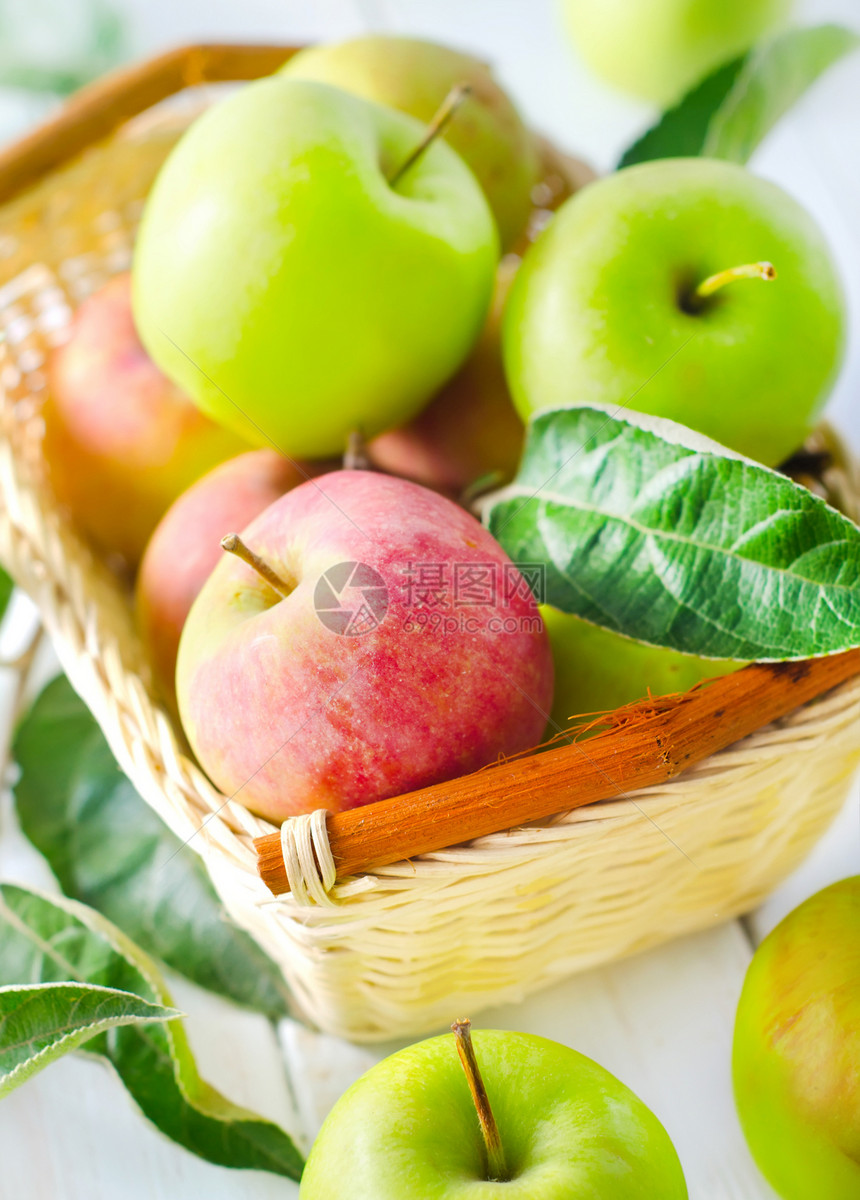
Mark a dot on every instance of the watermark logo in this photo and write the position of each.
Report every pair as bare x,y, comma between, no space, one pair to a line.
351,599
435,586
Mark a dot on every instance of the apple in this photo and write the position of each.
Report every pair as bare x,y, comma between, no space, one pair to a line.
796,1056
121,442
414,76
292,289
597,671
471,429
376,639
552,1125
186,545
637,294
658,49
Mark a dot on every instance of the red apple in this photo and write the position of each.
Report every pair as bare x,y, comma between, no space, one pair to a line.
186,546
394,645
121,441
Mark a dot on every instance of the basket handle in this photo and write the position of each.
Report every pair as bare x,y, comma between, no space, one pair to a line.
645,744
98,109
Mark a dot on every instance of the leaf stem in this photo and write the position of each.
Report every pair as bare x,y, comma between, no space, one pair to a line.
497,1167
233,544
435,129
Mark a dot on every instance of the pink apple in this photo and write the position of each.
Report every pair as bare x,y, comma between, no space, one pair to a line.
398,647
186,546
121,441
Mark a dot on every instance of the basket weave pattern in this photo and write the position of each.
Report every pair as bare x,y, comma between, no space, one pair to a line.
403,949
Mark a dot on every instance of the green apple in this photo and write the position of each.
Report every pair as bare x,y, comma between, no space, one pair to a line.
292,290
610,306
658,49
470,429
407,1130
414,76
796,1059
597,671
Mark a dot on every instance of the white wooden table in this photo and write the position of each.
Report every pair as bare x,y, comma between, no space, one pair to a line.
661,1021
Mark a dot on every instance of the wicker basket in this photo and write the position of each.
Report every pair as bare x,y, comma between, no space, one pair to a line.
399,950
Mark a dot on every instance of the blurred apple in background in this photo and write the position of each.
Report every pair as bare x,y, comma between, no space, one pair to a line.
609,305
796,1058
414,76
471,429
658,49
352,674
562,1128
597,670
293,289
186,546
121,441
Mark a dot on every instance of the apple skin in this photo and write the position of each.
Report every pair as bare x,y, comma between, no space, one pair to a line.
415,76
121,441
290,716
407,1130
471,429
597,671
288,288
796,1056
595,312
186,546
658,49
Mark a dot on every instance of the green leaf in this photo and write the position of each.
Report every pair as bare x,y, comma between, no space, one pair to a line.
58,56
729,113
42,1021
772,80
47,940
109,850
682,131
6,588
661,535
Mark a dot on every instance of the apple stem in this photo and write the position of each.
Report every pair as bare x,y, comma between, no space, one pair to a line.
436,127
497,1168
233,544
756,270
355,456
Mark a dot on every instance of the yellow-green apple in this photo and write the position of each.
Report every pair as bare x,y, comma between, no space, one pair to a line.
658,49
471,429
597,671
639,294
296,281
382,641
121,441
186,545
796,1057
552,1125
414,76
